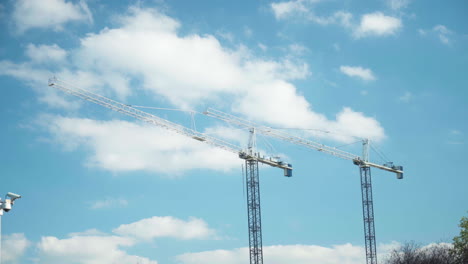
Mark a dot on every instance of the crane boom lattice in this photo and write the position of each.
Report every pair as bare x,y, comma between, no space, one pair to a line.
251,157
163,123
275,133
362,162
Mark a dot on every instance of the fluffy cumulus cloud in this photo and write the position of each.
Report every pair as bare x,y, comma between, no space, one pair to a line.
116,147
358,72
377,24
91,249
298,254
167,226
96,247
45,53
13,247
53,14
192,69
36,76
146,47
188,71
371,24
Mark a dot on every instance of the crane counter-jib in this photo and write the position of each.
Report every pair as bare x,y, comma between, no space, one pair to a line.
166,124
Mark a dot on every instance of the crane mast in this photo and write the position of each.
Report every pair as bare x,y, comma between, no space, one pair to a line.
361,161
368,206
251,157
253,204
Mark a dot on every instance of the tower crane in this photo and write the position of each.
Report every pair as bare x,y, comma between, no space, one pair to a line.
361,161
251,157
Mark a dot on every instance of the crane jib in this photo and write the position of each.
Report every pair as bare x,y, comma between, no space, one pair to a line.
268,131
166,124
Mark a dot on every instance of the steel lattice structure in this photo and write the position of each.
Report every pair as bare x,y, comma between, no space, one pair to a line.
368,214
361,161
251,157
254,212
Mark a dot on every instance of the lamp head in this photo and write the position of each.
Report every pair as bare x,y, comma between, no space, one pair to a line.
6,205
13,196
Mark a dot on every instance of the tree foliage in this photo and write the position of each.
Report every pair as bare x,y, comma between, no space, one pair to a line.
411,253
442,253
460,243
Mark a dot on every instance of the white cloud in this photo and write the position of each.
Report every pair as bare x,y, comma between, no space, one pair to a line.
167,226
443,33
359,72
263,47
25,72
88,250
95,247
89,232
406,97
398,4
109,203
298,49
371,24
189,71
377,24
46,53
53,14
290,8
226,35
303,9
37,79
170,67
13,247
231,134
183,69
115,146
298,254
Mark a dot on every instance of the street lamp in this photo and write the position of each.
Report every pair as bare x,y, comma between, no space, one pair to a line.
5,206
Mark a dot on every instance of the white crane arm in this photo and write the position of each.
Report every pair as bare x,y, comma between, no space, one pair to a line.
268,131
166,124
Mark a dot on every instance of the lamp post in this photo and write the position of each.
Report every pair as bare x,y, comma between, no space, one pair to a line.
5,206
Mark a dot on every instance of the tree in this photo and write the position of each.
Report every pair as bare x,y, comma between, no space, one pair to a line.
460,243
411,253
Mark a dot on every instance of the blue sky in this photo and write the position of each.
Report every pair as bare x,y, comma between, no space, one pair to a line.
99,187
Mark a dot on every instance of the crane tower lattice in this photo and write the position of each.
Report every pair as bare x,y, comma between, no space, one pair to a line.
251,157
361,161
